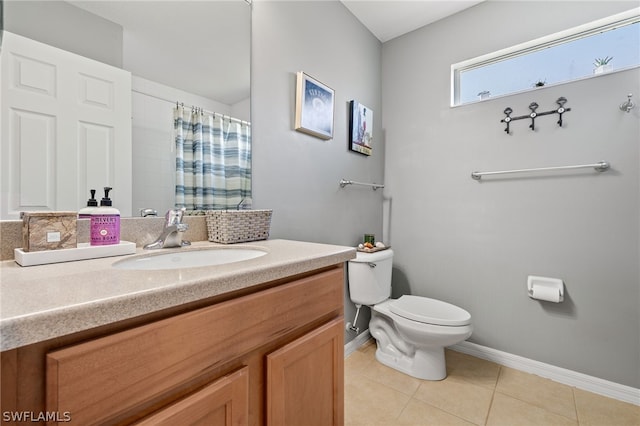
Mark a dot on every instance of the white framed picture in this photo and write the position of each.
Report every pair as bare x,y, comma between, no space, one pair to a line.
314,107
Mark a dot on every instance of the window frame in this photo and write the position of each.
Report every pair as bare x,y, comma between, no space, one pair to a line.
581,31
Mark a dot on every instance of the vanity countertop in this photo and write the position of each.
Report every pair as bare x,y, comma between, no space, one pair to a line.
42,302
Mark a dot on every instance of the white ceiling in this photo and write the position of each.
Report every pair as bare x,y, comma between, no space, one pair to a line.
174,35
388,19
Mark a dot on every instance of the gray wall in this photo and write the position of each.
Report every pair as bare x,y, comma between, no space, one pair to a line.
296,174
474,244
66,27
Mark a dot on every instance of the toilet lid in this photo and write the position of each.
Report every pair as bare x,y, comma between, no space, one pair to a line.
429,311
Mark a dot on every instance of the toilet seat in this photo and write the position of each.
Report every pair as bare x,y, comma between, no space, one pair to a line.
429,311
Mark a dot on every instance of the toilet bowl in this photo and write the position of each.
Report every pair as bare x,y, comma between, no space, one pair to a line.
411,332
413,346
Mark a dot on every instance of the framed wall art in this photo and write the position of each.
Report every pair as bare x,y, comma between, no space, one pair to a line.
314,107
360,128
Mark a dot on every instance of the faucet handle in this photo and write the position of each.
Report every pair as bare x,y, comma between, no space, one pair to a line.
174,216
148,212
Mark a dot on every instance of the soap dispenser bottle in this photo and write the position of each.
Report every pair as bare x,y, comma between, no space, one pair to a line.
105,222
92,203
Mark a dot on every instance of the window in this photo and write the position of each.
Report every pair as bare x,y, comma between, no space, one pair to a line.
559,58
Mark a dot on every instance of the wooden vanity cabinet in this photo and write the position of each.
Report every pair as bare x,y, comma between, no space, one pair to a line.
271,357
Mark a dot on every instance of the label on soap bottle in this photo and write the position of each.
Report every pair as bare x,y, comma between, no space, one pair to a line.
105,230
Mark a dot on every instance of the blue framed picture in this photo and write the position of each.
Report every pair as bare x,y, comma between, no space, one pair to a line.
314,107
360,128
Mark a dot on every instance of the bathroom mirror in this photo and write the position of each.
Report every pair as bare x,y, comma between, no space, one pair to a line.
198,51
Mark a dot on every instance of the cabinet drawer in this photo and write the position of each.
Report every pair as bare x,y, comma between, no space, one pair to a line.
107,378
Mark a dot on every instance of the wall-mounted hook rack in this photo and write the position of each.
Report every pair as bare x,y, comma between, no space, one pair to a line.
628,105
533,106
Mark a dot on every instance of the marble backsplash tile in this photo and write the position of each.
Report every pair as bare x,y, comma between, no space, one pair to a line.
136,229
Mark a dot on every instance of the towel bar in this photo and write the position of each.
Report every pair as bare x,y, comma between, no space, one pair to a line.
374,186
601,167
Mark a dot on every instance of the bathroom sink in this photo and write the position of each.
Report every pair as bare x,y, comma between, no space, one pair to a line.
188,258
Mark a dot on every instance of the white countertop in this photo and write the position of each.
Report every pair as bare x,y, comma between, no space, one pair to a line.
42,302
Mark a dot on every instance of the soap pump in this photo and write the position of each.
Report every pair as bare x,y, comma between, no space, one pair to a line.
92,203
105,222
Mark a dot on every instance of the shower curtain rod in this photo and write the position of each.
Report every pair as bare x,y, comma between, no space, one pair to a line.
236,120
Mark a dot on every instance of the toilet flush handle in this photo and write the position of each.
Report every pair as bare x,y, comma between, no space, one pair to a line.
372,265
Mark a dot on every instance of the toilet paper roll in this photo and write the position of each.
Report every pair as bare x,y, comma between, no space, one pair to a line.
546,293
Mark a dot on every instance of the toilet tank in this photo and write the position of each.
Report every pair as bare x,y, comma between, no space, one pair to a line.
370,277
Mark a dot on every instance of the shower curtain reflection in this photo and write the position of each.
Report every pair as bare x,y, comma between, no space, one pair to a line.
213,160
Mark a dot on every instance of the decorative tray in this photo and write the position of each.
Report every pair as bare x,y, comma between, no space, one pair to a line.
82,252
372,250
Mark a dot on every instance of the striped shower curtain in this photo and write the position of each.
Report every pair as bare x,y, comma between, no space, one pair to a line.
213,160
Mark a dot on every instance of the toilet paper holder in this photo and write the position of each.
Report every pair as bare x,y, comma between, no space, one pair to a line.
545,288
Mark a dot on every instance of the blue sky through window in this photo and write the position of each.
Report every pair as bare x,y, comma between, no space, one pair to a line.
556,64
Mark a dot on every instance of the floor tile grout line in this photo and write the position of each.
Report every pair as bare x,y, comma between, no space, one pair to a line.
445,411
538,405
403,408
379,383
575,405
533,404
493,395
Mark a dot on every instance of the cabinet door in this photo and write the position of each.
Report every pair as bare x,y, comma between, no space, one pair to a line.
305,379
224,402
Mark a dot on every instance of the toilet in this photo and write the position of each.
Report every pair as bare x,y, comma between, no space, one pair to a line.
411,332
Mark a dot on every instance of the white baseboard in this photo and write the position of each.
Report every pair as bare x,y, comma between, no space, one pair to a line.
557,374
353,345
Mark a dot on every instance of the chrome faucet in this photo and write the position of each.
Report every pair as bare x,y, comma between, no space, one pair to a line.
173,231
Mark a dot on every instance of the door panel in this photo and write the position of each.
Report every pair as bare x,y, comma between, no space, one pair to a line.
66,128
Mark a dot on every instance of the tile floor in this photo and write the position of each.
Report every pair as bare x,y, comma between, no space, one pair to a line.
475,392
